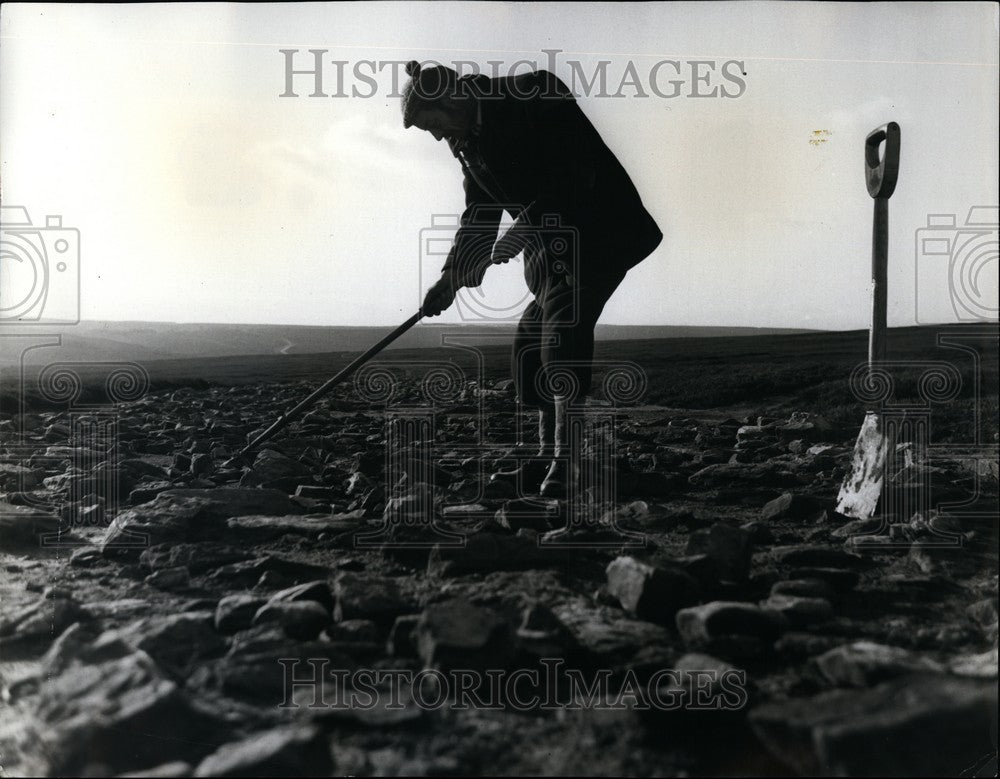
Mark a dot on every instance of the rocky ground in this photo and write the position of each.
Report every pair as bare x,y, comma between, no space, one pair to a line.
726,619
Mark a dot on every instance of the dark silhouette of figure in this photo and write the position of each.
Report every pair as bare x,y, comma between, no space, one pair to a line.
527,148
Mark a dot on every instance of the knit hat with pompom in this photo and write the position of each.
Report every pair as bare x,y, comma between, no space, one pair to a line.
426,87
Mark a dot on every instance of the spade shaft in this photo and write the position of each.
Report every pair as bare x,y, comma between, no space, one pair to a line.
294,413
881,173
880,273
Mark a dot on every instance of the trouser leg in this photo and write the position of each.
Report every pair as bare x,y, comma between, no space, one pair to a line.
570,310
570,313
526,366
526,356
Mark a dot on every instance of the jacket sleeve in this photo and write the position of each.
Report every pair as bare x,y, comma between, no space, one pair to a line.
470,254
569,148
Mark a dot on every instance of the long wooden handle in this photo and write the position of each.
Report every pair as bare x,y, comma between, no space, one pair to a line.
290,416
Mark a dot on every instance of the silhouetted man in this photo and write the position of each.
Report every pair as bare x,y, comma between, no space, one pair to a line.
527,148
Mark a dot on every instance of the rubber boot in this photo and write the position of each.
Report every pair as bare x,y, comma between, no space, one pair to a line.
563,467
530,472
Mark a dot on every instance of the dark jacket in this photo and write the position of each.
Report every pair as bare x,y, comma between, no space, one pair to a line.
539,155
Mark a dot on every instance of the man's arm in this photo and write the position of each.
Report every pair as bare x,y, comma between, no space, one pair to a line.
469,258
471,252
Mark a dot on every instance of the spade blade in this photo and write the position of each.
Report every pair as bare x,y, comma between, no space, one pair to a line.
862,487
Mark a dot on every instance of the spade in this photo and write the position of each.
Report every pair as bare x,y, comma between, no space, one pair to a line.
862,487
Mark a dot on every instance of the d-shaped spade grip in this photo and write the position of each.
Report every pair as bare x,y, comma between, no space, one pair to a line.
881,174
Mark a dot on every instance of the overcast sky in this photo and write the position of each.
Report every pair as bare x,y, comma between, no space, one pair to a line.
202,195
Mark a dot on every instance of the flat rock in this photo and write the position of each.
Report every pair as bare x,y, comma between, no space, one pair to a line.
175,578
803,588
166,518
147,491
355,631
301,619
362,596
468,511
700,625
798,610
317,591
262,527
235,612
25,525
226,502
917,725
652,593
606,634
457,634
175,769
864,663
45,618
802,645
279,571
197,558
840,579
315,492
175,641
83,643
117,610
87,557
276,470
83,712
262,660
982,665
791,506
295,750
725,475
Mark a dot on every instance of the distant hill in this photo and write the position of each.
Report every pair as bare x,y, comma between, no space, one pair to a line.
144,341
768,374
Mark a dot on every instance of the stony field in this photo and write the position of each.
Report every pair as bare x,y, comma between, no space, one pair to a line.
699,609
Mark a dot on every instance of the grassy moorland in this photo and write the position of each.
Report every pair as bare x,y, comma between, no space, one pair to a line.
758,374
